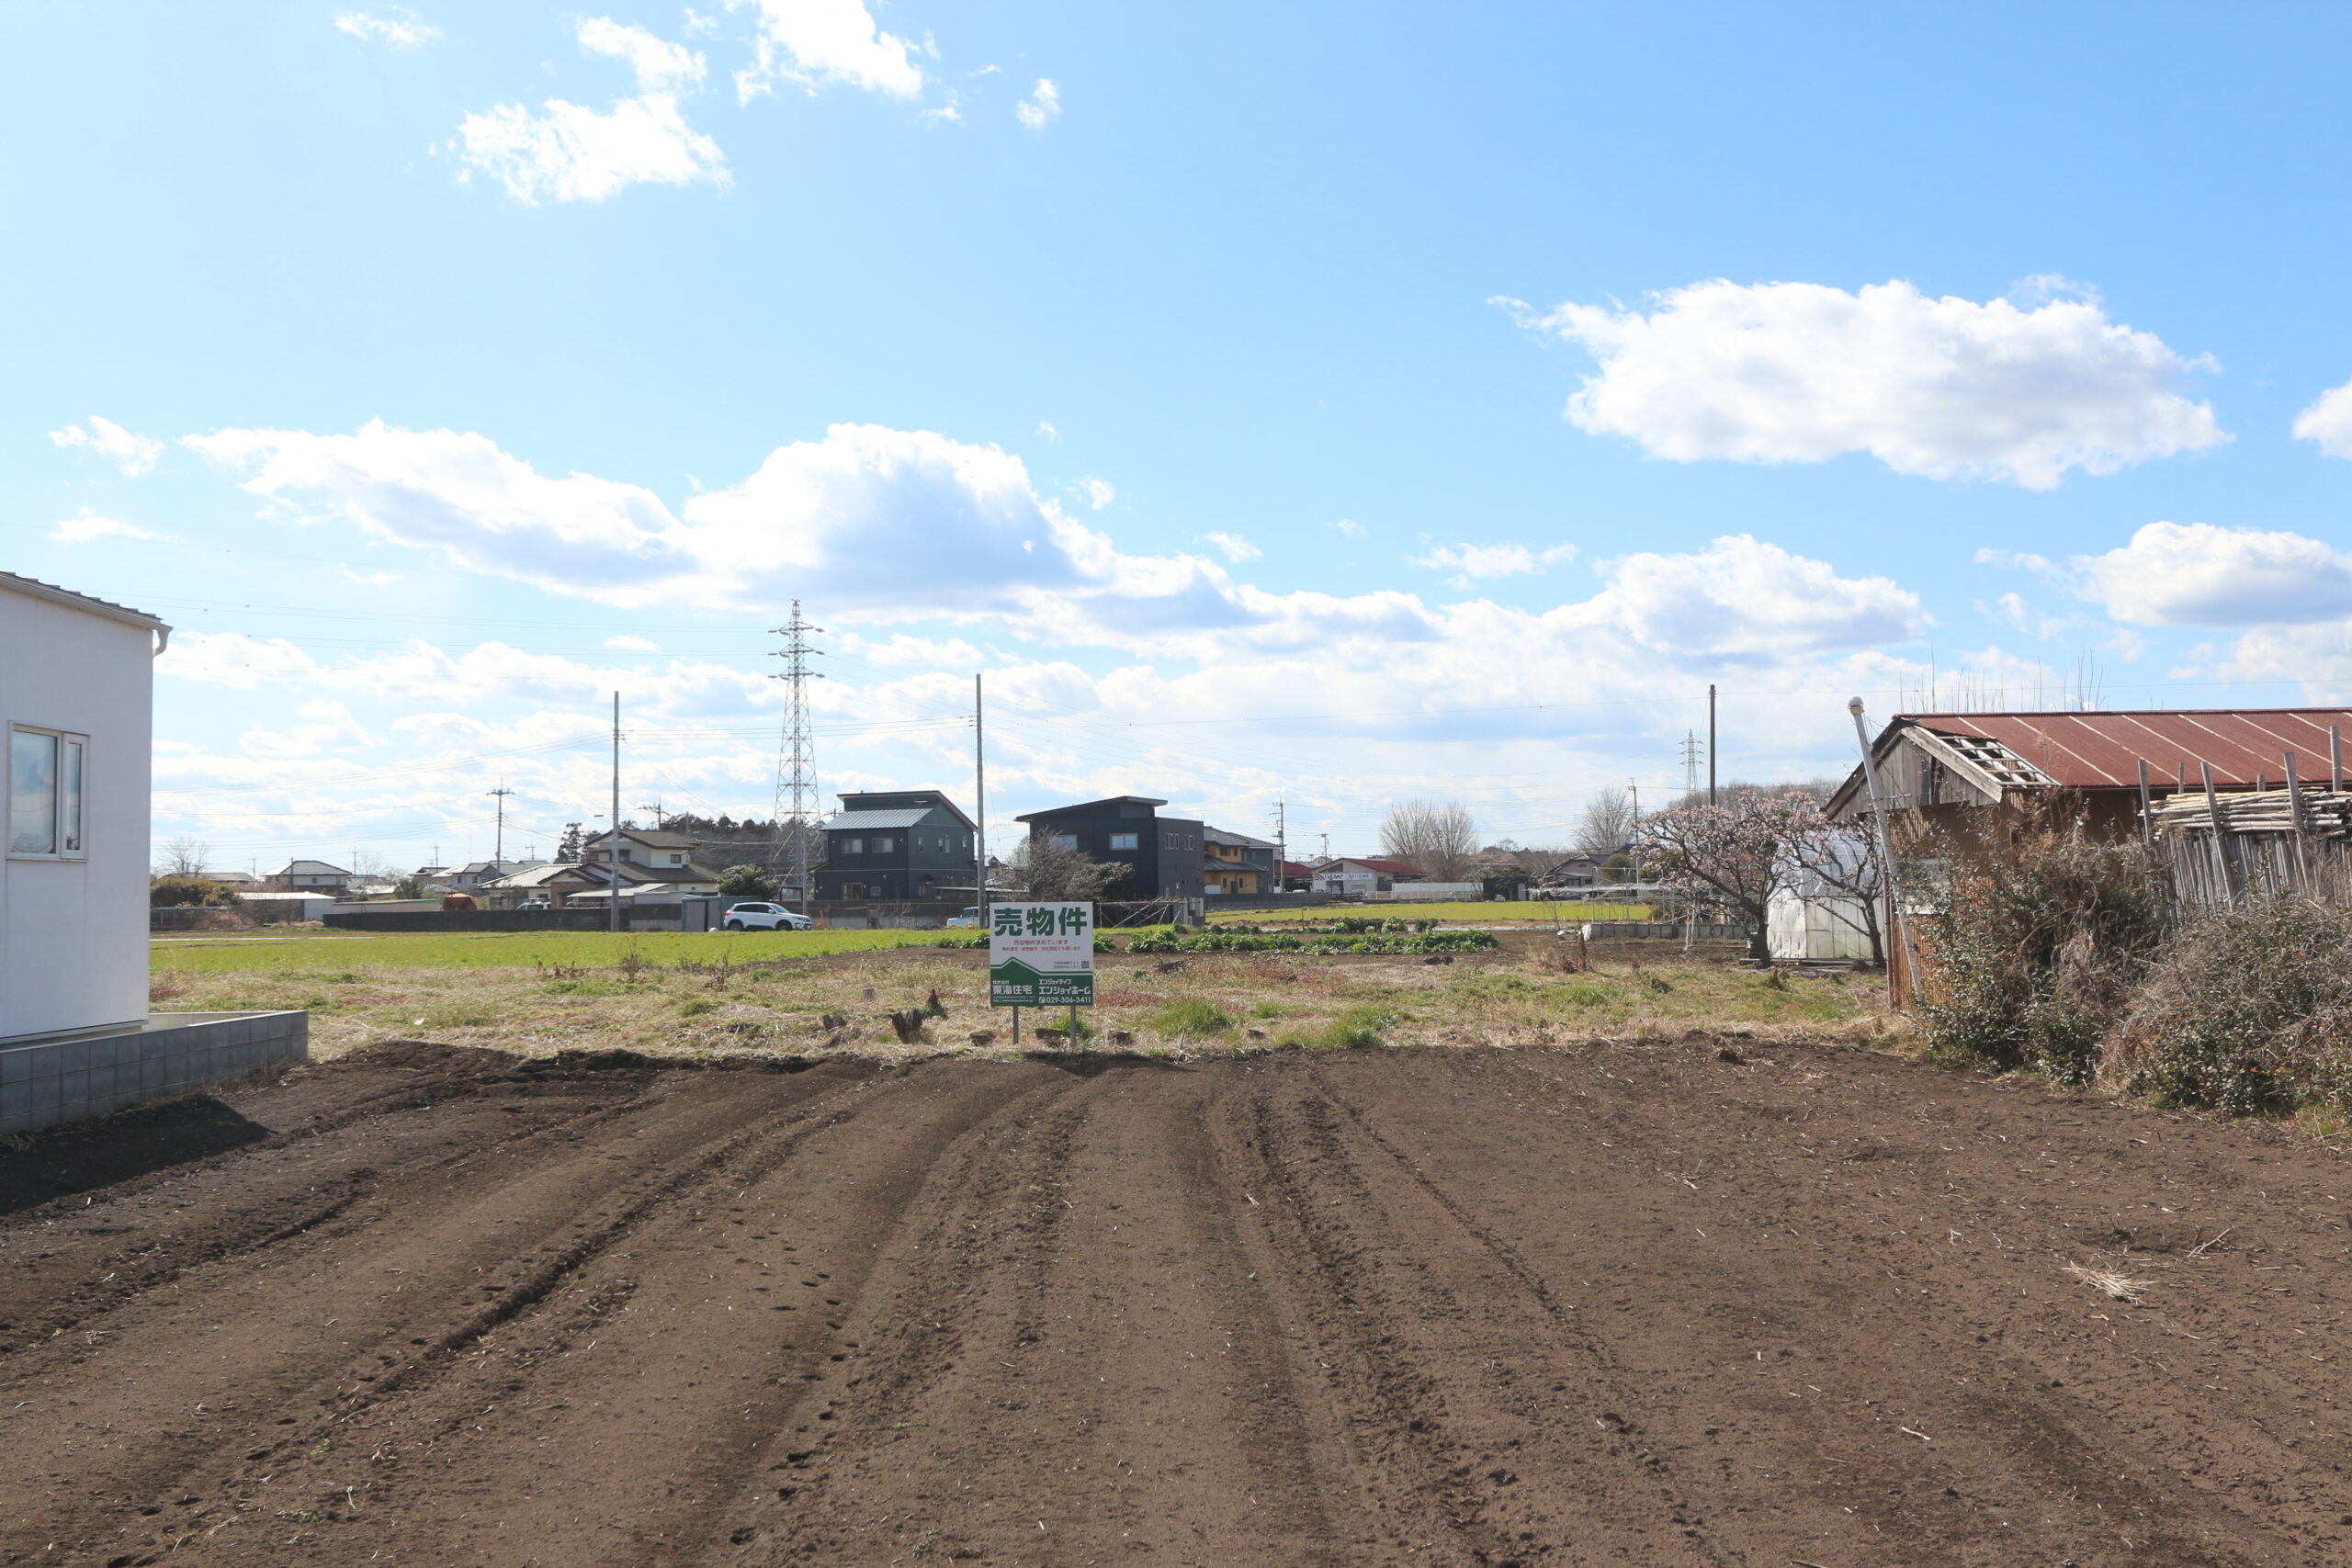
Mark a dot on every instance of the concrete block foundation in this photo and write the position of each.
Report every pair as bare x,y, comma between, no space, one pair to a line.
46,1082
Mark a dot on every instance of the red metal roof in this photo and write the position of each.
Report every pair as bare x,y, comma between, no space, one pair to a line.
2102,750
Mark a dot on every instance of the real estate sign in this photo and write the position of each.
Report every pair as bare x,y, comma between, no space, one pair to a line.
1041,955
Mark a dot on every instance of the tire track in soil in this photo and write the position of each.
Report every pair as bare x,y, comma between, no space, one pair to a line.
319,1327
1084,1368
508,1452
2035,1470
1459,1384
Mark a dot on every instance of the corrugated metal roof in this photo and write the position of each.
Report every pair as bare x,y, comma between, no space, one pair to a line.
2103,751
33,587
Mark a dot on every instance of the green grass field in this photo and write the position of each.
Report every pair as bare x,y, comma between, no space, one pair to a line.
315,950
1455,914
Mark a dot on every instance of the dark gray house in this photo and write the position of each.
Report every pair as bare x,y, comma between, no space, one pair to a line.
1162,854
899,845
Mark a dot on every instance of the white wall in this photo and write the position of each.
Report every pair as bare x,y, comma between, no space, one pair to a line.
74,933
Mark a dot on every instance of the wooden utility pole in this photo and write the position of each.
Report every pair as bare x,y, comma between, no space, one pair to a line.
613,894
1711,742
498,844
980,810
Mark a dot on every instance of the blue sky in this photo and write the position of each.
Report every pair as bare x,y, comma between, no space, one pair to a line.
1308,404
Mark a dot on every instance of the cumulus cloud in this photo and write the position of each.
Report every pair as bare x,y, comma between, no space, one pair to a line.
2194,574
1045,429
659,65
1233,547
1742,599
1470,563
2328,422
85,526
407,30
1348,527
815,42
633,644
1941,388
328,727
1099,493
1042,107
565,152
134,455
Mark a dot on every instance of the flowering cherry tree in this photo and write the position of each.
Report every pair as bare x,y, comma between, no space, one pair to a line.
1735,855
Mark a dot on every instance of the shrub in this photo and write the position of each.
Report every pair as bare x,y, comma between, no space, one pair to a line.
1190,1015
2034,958
186,892
2246,1010
746,882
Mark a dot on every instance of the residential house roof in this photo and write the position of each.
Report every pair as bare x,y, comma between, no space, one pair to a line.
1090,805
1223,836
1386,867
655,838
309,868
898,816
33,588
2103,751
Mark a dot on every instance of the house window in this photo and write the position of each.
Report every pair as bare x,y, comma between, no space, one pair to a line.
882,845
853,846
45,793
1122,841
1064,840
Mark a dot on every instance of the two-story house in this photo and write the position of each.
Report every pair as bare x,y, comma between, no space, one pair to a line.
898,845
1235,865
650,855
1162,854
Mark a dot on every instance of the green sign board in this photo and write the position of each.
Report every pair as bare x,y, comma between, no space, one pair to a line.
1041,955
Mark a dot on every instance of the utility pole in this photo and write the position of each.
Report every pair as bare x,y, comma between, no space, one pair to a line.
1634,788
796,767
1282,848
980,805
1711,742
498,851
614,892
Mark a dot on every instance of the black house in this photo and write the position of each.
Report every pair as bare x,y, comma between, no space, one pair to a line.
1162,854
898,845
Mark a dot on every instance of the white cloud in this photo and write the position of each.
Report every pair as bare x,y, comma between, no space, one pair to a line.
568,152
330,727
2194,574
819,41
405,32
1049,432
659,65
1947,388
2025,618
633,644
1348,527
2328,422
370,579
1471,563
85,526
134,455
900,649
1740,598
1099,492
1234,548
1042,107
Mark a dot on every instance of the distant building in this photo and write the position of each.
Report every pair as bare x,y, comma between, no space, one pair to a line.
898,845
1355,878
1162,854
1235,865
651,854
307,877
475,875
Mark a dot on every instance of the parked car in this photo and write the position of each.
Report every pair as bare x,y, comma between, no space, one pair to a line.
535,904
763,917
968,921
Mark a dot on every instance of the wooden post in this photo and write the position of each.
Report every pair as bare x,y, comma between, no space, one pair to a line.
2295,822
2335,758
2225,854
2147,831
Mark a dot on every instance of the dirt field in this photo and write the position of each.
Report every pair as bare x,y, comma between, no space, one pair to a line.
1580,1304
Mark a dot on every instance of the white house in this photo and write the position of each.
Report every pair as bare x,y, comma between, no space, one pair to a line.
76,697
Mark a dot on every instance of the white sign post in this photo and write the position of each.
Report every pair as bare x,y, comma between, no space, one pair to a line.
1041,955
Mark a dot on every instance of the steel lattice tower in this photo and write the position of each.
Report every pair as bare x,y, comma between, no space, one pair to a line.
795,762
1692,752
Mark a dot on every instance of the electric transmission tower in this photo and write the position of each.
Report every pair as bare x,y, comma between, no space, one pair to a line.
795,762
1692,754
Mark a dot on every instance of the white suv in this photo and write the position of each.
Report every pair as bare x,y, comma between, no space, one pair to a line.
764,918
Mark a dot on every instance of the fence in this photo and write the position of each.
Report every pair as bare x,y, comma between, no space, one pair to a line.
2218,847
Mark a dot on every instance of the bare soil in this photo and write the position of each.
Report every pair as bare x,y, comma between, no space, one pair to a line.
1664,1303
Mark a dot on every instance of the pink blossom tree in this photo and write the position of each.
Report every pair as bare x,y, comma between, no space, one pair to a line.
1735,855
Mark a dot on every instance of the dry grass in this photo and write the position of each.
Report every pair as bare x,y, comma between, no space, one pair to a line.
1269,1001
2116,1286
